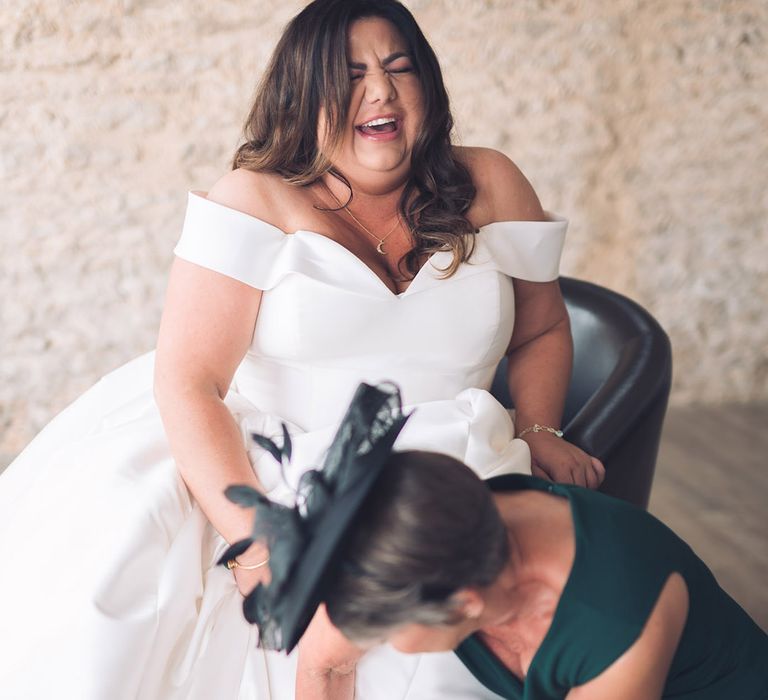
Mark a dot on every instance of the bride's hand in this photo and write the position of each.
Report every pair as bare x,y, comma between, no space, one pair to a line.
558,460
248,579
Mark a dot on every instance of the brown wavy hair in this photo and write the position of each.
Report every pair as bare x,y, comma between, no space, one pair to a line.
308,72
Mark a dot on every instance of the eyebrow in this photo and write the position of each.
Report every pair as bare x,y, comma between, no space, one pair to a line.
389,59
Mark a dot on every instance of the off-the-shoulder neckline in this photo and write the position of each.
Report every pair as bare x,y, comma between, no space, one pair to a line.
552,220
200,195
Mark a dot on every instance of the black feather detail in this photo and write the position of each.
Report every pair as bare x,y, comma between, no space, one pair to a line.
259,609
314,494
269,445
235,550
362,442
244,496
257,606
373,413
285,536
272,519
287,446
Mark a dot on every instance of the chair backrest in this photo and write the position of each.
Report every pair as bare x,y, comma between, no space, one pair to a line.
606,327
619,387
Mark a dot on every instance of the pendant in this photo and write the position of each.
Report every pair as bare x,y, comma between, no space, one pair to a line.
380,248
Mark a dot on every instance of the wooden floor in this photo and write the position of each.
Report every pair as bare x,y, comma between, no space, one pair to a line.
711,487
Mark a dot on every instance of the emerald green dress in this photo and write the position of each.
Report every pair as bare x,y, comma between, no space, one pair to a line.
623,558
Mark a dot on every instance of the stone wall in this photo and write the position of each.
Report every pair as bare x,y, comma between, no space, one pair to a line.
643,121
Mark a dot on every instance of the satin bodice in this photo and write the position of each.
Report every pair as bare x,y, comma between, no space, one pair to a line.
327,321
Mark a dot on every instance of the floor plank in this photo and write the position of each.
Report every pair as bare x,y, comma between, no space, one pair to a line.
711,487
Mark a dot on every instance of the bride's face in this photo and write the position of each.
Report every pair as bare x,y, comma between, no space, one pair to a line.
386,108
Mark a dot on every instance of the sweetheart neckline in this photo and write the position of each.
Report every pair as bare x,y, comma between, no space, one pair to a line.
362,264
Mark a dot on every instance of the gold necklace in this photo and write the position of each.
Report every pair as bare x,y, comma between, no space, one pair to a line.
380,246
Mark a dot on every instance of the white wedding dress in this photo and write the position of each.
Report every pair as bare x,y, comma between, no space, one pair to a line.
108,585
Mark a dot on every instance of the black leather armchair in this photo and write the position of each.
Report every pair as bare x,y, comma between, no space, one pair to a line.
618,394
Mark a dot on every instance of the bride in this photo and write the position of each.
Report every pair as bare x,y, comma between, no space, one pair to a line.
351,241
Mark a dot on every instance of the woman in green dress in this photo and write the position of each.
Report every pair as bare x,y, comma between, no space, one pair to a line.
545,591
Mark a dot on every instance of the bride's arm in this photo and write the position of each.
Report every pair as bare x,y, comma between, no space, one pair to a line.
541,349
206,328
204,333
540,355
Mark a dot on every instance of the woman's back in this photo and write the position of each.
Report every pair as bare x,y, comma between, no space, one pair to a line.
623,558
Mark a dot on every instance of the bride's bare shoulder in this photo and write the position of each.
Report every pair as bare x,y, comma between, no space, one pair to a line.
266,196
503,192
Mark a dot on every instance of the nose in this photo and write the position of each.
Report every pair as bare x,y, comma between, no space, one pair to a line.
379,87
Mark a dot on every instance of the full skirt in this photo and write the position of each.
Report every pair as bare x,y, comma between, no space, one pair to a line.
109,586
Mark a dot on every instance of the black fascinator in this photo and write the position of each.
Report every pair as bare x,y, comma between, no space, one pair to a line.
305,541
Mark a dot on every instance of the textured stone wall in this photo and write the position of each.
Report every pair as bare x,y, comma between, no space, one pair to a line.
643,121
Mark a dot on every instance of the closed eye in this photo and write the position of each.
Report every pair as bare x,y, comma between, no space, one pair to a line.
398,56
392,71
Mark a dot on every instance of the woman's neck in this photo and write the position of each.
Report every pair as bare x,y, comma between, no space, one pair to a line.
378,199
542,550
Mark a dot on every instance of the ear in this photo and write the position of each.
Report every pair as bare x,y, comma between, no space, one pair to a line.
470,602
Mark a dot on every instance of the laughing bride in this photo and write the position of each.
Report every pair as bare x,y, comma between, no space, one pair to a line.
350,242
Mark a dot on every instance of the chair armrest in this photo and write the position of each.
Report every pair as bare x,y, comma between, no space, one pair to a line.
641,377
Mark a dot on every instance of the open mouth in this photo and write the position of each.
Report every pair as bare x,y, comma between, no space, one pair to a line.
379,126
